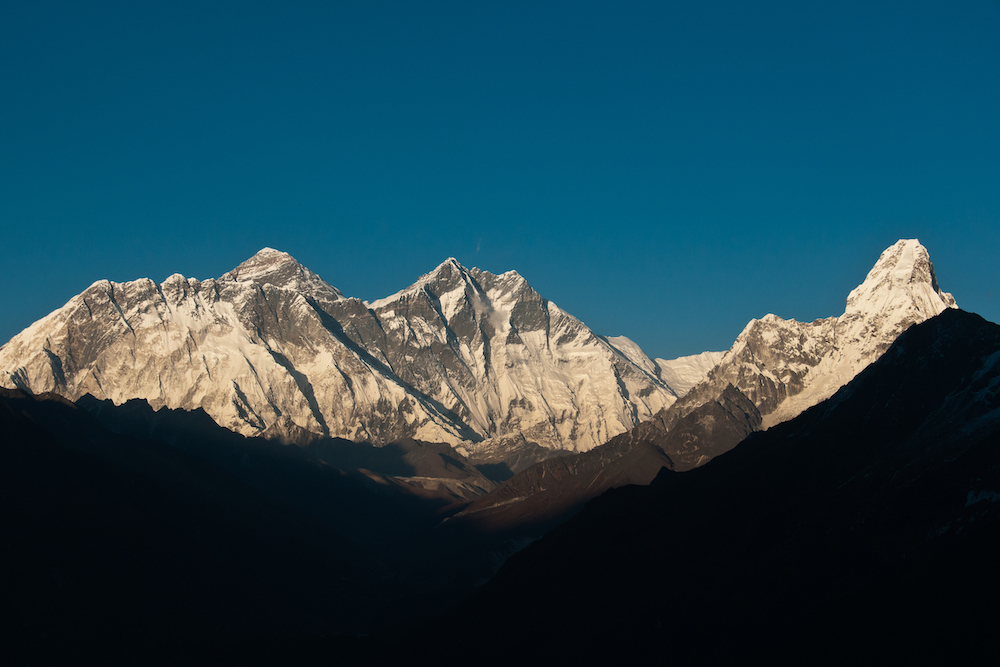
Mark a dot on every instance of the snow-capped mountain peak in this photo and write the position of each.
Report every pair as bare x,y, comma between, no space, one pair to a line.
262,264
516,365
447,274
274,267
785,366
462,356
902,277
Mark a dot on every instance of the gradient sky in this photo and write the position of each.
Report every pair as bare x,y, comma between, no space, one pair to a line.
662,170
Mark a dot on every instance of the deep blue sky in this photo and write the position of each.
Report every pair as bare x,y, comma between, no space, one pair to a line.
662,170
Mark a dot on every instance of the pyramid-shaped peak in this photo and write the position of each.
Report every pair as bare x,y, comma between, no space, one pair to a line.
905,261
903,275
263,263
270,252
450,272
450,264
446,276
902,255
275,267
269,257
446,272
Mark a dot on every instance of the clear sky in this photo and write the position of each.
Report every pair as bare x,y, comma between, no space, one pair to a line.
662,170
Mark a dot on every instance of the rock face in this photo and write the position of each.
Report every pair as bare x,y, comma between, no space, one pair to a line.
464,357
775,370
785,366
511,365
869,523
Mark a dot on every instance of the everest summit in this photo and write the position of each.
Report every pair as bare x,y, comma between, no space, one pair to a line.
465,357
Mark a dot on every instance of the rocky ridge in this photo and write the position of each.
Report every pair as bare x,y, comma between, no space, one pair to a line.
867,524
464,357
775,370
785,366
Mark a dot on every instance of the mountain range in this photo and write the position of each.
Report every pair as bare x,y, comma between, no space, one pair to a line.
867,524
146,456
463,357
863,528
478,361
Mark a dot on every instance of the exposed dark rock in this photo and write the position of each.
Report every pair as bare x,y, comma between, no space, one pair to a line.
866,526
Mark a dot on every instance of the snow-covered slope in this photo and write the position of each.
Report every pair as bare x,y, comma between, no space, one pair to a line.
462,356
785,366
252,348
508,363
683,373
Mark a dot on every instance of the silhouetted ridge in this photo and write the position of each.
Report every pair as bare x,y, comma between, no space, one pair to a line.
865,525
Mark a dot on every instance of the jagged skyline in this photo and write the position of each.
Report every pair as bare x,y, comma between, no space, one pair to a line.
479,361
662,173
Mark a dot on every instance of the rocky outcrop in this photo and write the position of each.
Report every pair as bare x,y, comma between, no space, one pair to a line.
464,357
785,366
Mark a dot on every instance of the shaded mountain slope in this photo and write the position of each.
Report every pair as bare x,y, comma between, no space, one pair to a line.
478,361
867,526
775,369
115,547
469,546
377,496
785,366
462,357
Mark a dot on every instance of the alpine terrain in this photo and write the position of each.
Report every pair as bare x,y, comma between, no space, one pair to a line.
867,526
776,369
479,361
144,519
783,366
